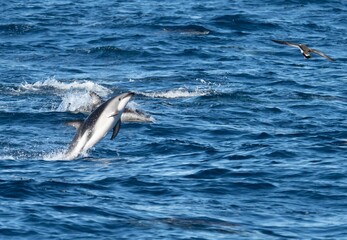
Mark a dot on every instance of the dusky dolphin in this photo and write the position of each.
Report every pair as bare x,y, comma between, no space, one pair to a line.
129,115
304,49
98,124
189,30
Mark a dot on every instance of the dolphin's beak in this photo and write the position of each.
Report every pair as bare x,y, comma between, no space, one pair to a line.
123,102
128,96
131,94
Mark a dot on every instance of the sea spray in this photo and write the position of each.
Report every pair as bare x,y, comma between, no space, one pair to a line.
62,86
177,93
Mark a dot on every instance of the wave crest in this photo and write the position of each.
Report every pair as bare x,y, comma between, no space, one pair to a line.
177,93
75,102
52,83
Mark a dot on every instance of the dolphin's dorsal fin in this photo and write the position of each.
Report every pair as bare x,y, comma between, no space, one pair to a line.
97,100
116,129
76,124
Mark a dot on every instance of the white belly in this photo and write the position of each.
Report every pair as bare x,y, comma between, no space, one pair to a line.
77,149
101,128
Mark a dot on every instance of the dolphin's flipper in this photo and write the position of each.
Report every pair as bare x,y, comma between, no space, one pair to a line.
76,124
116,129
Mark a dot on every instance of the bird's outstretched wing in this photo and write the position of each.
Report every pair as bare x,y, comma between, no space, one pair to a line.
321,54
287,43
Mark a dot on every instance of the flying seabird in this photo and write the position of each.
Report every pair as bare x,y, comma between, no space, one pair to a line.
304,49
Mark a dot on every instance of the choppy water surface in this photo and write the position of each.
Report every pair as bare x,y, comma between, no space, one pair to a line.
248,139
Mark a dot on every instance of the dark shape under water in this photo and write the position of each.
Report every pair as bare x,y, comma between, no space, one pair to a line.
189,29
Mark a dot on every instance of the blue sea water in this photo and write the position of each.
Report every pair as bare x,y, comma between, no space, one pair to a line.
248,141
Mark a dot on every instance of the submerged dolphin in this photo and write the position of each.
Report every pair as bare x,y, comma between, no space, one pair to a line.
304,49
98,124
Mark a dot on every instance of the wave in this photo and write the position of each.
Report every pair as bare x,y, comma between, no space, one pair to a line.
310,96
112,52
76,101
107,49
56,155
16,28
241,22
177,93
7,157
53,84
74,95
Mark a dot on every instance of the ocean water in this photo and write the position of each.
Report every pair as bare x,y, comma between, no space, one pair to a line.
248,139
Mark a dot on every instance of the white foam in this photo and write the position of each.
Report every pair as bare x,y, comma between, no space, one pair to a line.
75,102
54,156
75,95
177,93
7,157
83,85
59,155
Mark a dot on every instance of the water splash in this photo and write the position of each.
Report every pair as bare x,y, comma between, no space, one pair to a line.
60,155
55,156
62,87
75,95
7,157
178,93
75,102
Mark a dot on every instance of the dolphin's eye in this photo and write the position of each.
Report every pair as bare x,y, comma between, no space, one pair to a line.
119,99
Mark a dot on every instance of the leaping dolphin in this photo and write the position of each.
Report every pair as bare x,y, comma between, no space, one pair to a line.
129,115
98,124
